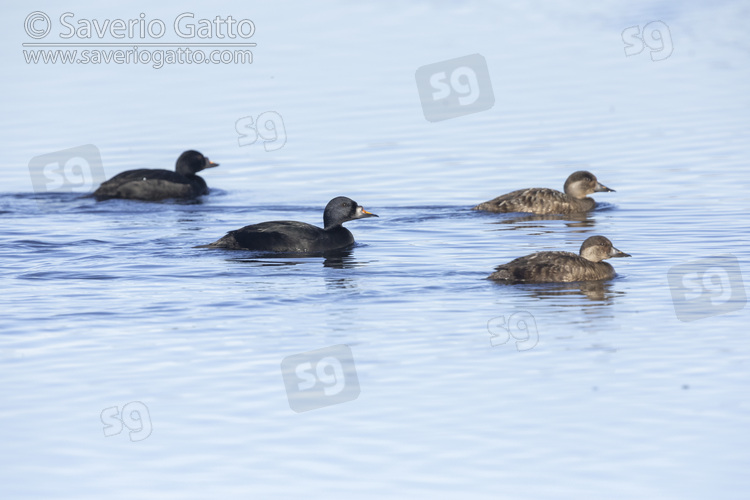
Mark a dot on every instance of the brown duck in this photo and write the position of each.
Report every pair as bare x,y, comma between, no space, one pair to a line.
549,267
550,201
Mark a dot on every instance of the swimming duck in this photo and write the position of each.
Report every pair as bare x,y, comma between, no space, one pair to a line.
550,201
299,237
157,184
546,267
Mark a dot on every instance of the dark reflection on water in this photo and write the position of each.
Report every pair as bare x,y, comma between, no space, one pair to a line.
169,201
595,291
339,259
266,263
345,283
572,220
342,259
57,202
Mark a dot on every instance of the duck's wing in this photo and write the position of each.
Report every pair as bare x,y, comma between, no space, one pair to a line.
535,200
274,236
145,184
149,174
539,267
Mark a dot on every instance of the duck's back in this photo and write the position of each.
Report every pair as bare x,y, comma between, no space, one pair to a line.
286,236
151,185
537,200
553,267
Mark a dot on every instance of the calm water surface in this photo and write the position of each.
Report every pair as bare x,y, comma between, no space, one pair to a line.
601,392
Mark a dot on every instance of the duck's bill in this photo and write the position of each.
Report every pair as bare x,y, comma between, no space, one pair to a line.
210,164
362,213
618,253
601,188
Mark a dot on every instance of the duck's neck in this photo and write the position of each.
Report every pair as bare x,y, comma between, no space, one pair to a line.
591,255
576,194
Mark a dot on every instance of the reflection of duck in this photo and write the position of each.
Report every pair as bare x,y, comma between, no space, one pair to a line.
579,219
550,201
545,267
157,184
595,291
336,259
341,259
298,237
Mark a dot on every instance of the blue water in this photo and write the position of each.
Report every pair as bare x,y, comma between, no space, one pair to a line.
608,390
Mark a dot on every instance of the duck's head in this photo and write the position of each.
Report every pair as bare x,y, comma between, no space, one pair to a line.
342,209
191,162
599,248
582,183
